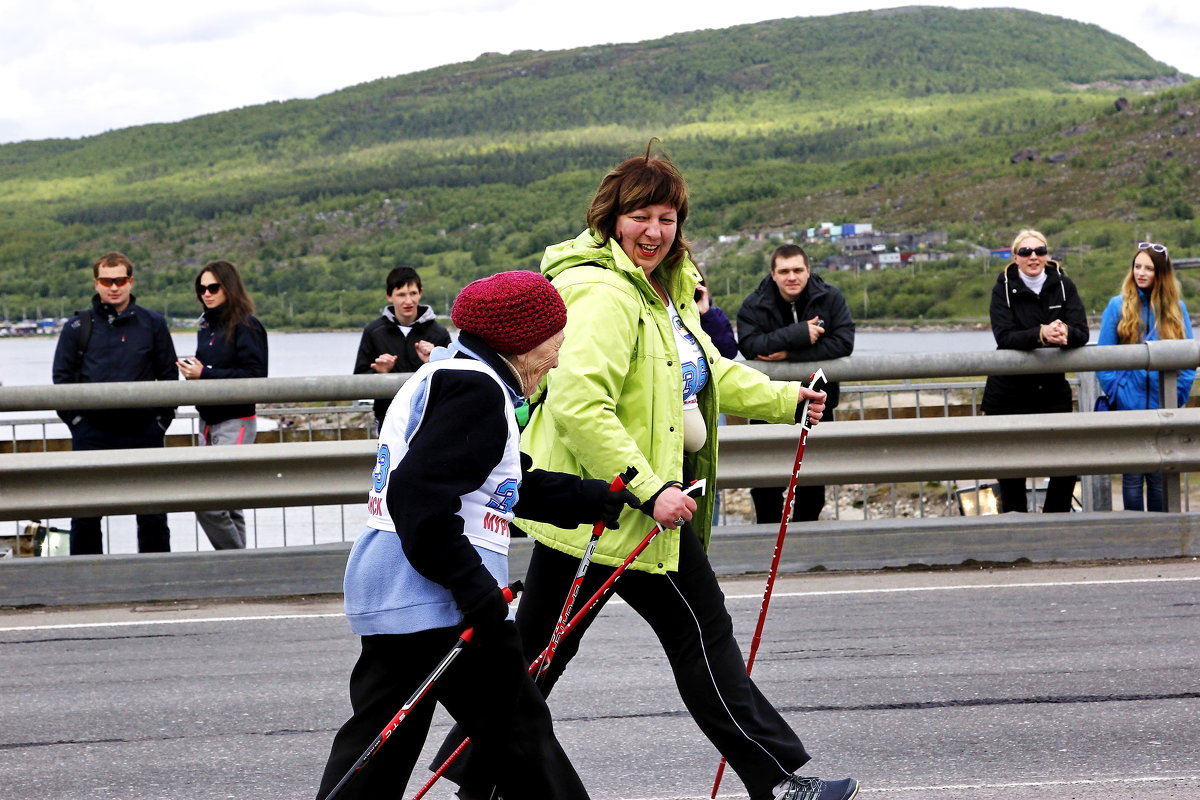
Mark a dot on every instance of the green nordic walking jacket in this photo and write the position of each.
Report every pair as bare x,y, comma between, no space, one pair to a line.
616,398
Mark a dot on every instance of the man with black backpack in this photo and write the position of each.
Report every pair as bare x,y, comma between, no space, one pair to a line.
116,340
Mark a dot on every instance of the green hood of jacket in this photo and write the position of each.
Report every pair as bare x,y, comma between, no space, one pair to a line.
616,398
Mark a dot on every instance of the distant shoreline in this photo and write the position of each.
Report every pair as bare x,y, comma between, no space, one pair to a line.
924,326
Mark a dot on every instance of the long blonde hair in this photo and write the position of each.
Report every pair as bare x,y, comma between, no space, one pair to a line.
1164,302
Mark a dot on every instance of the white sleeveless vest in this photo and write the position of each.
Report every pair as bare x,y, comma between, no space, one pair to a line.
487,511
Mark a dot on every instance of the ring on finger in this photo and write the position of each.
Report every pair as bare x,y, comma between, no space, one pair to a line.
679,521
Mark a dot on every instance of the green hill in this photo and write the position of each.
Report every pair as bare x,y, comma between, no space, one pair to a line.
904,118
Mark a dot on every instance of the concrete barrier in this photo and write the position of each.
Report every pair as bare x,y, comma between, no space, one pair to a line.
735,550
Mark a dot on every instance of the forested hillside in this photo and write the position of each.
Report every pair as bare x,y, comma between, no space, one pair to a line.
903,118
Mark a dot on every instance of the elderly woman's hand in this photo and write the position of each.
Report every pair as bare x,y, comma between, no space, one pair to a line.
816,405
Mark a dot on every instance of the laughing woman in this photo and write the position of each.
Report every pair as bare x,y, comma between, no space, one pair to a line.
230,343
639,383
1147,309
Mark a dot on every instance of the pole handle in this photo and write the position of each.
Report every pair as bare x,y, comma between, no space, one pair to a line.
618,483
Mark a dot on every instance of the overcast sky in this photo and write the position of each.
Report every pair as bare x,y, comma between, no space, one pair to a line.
72,68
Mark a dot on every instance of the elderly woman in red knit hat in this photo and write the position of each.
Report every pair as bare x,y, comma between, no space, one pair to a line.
448,480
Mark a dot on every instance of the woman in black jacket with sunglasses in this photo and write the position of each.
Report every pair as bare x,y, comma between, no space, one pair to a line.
230,343
1034,304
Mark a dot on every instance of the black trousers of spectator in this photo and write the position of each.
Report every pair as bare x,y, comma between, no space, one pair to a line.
487,690
686,610
768,500
153,535
1058,494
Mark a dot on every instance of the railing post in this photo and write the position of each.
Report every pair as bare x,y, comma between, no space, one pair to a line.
1096,490
1168,397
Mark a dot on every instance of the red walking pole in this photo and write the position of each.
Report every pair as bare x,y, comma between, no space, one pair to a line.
543,659
463,639
788,504
560,627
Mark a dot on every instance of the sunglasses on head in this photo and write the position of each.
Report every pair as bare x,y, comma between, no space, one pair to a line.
113,281
1158,248
208,288
1026,252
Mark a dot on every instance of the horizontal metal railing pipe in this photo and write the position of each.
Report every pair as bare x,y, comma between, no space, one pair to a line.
1165,355
135,394
945,448
319,473
1168,355
92,483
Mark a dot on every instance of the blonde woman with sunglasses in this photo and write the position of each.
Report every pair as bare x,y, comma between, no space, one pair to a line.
1034,305
1148,308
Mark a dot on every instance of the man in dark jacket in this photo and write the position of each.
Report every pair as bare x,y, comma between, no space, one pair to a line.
116,340
793,315
403,336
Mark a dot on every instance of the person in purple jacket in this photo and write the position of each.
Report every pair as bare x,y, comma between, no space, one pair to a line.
715,323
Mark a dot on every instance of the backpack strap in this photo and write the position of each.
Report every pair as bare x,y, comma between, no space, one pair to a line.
81,342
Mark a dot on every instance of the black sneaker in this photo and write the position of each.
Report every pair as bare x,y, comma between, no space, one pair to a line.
797,788
471,794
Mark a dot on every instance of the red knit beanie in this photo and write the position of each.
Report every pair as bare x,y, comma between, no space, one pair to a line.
513,312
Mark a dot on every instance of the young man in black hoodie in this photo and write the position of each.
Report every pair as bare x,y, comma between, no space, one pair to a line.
794,315
401,339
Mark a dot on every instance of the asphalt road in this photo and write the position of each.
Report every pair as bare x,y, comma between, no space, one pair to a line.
1047,683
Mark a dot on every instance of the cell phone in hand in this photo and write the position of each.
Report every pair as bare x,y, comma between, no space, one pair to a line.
187,361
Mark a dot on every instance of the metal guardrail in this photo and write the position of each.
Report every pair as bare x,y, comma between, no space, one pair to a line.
307,474
311,473
1166,356
316,473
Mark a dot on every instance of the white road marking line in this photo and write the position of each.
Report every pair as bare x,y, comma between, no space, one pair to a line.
964,586
131,623
961,787
616,600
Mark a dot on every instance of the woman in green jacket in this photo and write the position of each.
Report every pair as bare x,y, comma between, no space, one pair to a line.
639,384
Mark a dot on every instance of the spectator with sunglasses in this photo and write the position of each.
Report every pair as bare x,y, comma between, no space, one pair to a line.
1034,304
230,343
1147,309
116,340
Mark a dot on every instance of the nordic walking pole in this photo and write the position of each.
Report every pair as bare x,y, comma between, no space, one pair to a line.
463,640
695,490
789,503
564,618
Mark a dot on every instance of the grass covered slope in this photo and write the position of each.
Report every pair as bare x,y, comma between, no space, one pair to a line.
903,117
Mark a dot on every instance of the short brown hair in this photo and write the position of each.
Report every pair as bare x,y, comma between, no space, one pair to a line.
636,183
113,259
788,251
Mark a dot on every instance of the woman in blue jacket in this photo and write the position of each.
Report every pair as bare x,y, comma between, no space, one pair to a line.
230,343
1147,309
